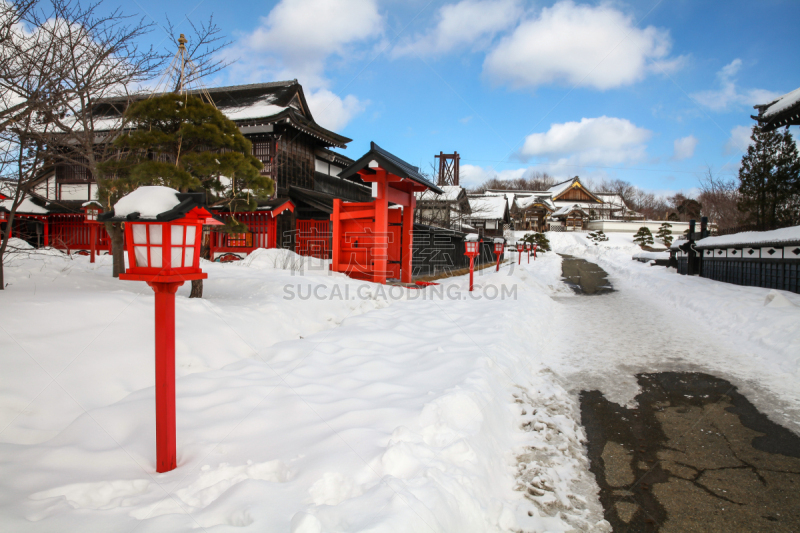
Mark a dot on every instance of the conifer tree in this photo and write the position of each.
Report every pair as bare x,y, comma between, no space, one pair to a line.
643,237
664,234
179,141
770,180
539,239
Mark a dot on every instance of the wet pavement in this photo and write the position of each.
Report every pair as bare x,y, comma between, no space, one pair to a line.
584,277
694,456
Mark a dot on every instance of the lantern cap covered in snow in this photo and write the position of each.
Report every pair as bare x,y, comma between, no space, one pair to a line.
159,204
471,237
499,240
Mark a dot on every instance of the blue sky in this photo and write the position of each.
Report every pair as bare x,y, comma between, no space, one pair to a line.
651,92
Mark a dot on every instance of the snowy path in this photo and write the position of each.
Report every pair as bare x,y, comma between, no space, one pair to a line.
660,321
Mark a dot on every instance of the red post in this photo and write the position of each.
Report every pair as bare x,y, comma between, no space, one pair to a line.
407,239
529,254
471,270
534,252
380,250
165,374
46,232
499,256
93,238
519,260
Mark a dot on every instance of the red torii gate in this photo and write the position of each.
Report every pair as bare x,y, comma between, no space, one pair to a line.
371,241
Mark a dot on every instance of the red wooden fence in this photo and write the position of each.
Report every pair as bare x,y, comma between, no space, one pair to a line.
313,238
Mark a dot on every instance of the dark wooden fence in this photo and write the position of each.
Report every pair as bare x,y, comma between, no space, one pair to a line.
767,265
438,250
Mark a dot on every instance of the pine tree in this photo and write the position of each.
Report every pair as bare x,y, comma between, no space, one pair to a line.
770,180
179,141
664,234
539,239
643,237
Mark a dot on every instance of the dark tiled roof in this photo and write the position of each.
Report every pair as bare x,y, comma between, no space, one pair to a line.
392,163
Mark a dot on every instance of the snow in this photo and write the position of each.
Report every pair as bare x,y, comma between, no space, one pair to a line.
651,255
791,234
259,109
26,207
450,194
784,102
307,401
472,237
148,201
487,207
692,323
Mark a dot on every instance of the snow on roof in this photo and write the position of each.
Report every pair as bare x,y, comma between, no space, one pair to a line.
509,195
26,207
523,202
567,209
558,188
783,102
677,243
499,240
451,193
752,237
487,207
259,109
149,202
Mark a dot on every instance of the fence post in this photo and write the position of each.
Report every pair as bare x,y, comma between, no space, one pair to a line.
691,263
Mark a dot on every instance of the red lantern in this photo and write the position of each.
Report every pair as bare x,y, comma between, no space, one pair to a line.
164,251
520,249
471,250
92,210
499,248
4,220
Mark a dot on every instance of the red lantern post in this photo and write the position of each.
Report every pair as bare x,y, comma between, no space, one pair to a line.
520,248
528,248
499,248
534,252
471,250
164,251
3,218
92,210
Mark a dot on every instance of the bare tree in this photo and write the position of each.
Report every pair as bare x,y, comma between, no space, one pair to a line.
30,85
720,198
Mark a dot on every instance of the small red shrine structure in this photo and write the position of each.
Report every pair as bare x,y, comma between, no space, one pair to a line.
373,240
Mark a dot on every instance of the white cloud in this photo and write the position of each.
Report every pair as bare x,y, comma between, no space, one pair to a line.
739,140
684,148
466,24
298,36
472,175
583,45
729,94
331,111
298,39
602,141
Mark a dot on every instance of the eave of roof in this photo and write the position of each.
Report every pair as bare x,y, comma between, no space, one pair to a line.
392,164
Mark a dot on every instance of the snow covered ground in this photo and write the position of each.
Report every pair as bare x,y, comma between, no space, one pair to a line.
309,402
305,402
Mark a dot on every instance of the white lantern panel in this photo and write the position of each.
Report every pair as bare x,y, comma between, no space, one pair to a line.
190,235
139,234
177,255
155,234
155,256
177,237
141,256
188,256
